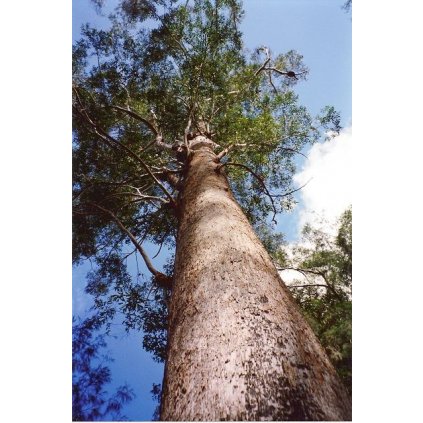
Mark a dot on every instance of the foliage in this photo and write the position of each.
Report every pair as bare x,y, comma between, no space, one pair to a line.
325,262
163,72
347,6
90,402
156,392
330,121
271,240
143,305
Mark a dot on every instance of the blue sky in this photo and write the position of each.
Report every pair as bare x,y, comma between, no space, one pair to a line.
318,29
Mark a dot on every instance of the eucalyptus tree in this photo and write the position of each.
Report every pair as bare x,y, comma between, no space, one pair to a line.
183,140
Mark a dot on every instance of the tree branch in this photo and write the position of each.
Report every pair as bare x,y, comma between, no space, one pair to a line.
138,195
153,128
312,272
270,69
305,286
291,192
135,115
262,66
269,74
301,270
186,132
129,254
160,278
108,139
293,150
258,178
290,74
231,147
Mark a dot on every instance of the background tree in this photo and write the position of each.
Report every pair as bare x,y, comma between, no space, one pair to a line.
90,402
324,289
165,103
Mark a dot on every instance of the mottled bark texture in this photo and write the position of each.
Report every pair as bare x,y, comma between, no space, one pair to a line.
239,349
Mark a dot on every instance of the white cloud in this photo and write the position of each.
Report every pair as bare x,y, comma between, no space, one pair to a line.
329,172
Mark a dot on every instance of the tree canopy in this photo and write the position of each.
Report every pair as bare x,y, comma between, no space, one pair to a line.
164,72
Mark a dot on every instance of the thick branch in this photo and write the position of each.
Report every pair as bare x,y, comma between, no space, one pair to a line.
140,249
159,276
223,153
262,66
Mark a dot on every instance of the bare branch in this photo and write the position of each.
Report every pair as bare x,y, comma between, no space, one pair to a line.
313,272
129,254
305,286
291,192
161,244
290,74
269,74
270,69
294,151
301,270
258,178
231,147
262,66
140,249
160,278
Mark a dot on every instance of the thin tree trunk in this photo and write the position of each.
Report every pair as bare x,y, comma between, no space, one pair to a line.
239,349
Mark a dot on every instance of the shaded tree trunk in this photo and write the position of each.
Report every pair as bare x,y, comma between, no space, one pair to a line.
238,347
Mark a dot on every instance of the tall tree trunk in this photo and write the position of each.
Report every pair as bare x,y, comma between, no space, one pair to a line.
239,349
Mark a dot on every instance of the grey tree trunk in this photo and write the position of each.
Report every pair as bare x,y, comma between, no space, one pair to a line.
238,347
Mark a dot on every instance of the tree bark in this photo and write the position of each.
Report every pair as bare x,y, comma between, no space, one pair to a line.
238,347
